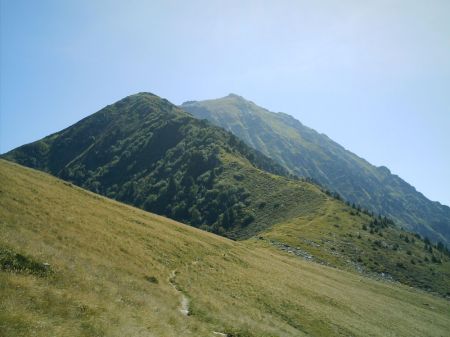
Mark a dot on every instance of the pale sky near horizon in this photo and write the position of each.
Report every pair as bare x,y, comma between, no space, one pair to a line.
372,75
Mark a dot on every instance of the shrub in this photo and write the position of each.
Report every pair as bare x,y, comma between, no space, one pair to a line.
18,263
400,265
152,279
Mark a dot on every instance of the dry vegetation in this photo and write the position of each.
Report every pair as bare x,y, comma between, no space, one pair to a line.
109,268
333,234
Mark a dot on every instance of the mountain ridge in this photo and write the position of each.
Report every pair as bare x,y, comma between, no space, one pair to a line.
305,152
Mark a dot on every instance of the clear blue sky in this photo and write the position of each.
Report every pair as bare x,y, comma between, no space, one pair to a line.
372,75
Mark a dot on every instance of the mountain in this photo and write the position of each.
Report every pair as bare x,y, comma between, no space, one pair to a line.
73,263
146,152
309,154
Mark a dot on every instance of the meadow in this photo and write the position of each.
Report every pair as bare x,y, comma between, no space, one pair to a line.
78,264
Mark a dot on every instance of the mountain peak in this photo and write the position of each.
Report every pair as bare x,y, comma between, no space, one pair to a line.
232,95
236,98
142,94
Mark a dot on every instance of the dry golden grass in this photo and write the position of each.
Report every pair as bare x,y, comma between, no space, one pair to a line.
331,234
102,254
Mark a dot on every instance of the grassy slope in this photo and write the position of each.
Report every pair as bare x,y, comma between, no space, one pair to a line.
101,254
293,214
273,198
337,238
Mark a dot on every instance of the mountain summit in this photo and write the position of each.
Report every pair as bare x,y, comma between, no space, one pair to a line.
145,151
307,153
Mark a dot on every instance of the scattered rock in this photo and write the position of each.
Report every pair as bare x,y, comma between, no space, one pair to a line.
220,334
292,250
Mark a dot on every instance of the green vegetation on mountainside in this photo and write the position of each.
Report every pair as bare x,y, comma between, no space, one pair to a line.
272,199
310,154
109,269
145,151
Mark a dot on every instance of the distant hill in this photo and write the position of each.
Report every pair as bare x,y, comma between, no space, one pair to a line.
145,151
309,154
73,263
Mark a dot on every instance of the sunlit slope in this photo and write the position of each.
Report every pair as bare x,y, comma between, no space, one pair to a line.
297,216
272,198
340,236
307,153
109,269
